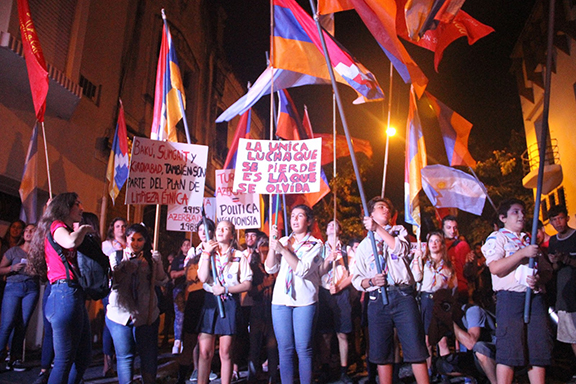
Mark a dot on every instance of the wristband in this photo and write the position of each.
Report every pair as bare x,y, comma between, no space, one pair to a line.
226,289
370,283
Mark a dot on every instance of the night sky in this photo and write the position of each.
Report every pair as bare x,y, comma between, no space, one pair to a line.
474,81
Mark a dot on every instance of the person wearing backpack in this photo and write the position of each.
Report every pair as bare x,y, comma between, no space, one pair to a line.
132,315
65,309
476,333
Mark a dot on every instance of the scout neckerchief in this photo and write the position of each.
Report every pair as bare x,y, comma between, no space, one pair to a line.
290,273
437,271
520,242
220,266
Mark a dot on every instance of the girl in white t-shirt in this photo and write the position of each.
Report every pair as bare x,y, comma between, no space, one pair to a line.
233,277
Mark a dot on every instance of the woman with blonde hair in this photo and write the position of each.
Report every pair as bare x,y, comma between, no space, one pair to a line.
434,271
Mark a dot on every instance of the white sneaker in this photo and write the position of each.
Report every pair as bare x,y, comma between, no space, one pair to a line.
177,348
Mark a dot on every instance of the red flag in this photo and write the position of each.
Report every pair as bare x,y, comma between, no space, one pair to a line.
438,39
361,146
35,63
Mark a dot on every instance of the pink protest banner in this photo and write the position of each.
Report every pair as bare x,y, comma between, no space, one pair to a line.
166,173
278,167
185,218
242,209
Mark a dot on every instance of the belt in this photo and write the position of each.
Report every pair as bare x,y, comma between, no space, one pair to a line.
64,281
390,288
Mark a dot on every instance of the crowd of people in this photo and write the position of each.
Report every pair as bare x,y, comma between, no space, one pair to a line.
275,304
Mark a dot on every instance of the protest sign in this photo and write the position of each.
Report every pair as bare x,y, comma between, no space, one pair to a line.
278,167
185,218
163,172
242,209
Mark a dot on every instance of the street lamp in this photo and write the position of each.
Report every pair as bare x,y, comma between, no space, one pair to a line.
390,131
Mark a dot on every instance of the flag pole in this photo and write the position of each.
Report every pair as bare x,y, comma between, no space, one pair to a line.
350,147
483,189
180,100
271,102
47,162
184,119
542,149
387,126
334,168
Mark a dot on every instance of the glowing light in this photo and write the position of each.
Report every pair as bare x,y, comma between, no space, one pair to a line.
390,131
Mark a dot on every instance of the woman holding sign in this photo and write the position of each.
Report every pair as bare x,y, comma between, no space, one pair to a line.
297,260
234,276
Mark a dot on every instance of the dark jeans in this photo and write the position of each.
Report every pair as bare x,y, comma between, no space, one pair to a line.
66,312
47,341
18,304
128,340
107,343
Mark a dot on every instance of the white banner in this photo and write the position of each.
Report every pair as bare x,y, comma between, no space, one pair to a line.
242,209
278,167
187,218
163,172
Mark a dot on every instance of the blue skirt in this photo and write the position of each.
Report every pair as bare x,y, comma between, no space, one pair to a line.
210,320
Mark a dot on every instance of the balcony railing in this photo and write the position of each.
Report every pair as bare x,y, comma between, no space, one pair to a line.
531,157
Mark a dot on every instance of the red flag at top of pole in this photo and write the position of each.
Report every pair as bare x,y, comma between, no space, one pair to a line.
448,30
242,131
35,63
167,112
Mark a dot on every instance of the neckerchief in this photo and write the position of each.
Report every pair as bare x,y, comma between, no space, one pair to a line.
290,273
520,242
220,265
437,271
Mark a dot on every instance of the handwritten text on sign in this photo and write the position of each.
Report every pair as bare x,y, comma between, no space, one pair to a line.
278,167
185,218
242,209
163,172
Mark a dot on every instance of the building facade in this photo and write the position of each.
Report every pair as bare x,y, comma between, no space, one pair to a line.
529,57
97,53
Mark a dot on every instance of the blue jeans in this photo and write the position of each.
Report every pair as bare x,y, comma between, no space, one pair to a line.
179,304
47,340
128,340
19,301
107,343
294,327
66,312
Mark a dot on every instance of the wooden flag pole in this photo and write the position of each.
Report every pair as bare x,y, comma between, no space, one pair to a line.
542,149
47,161
350,147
